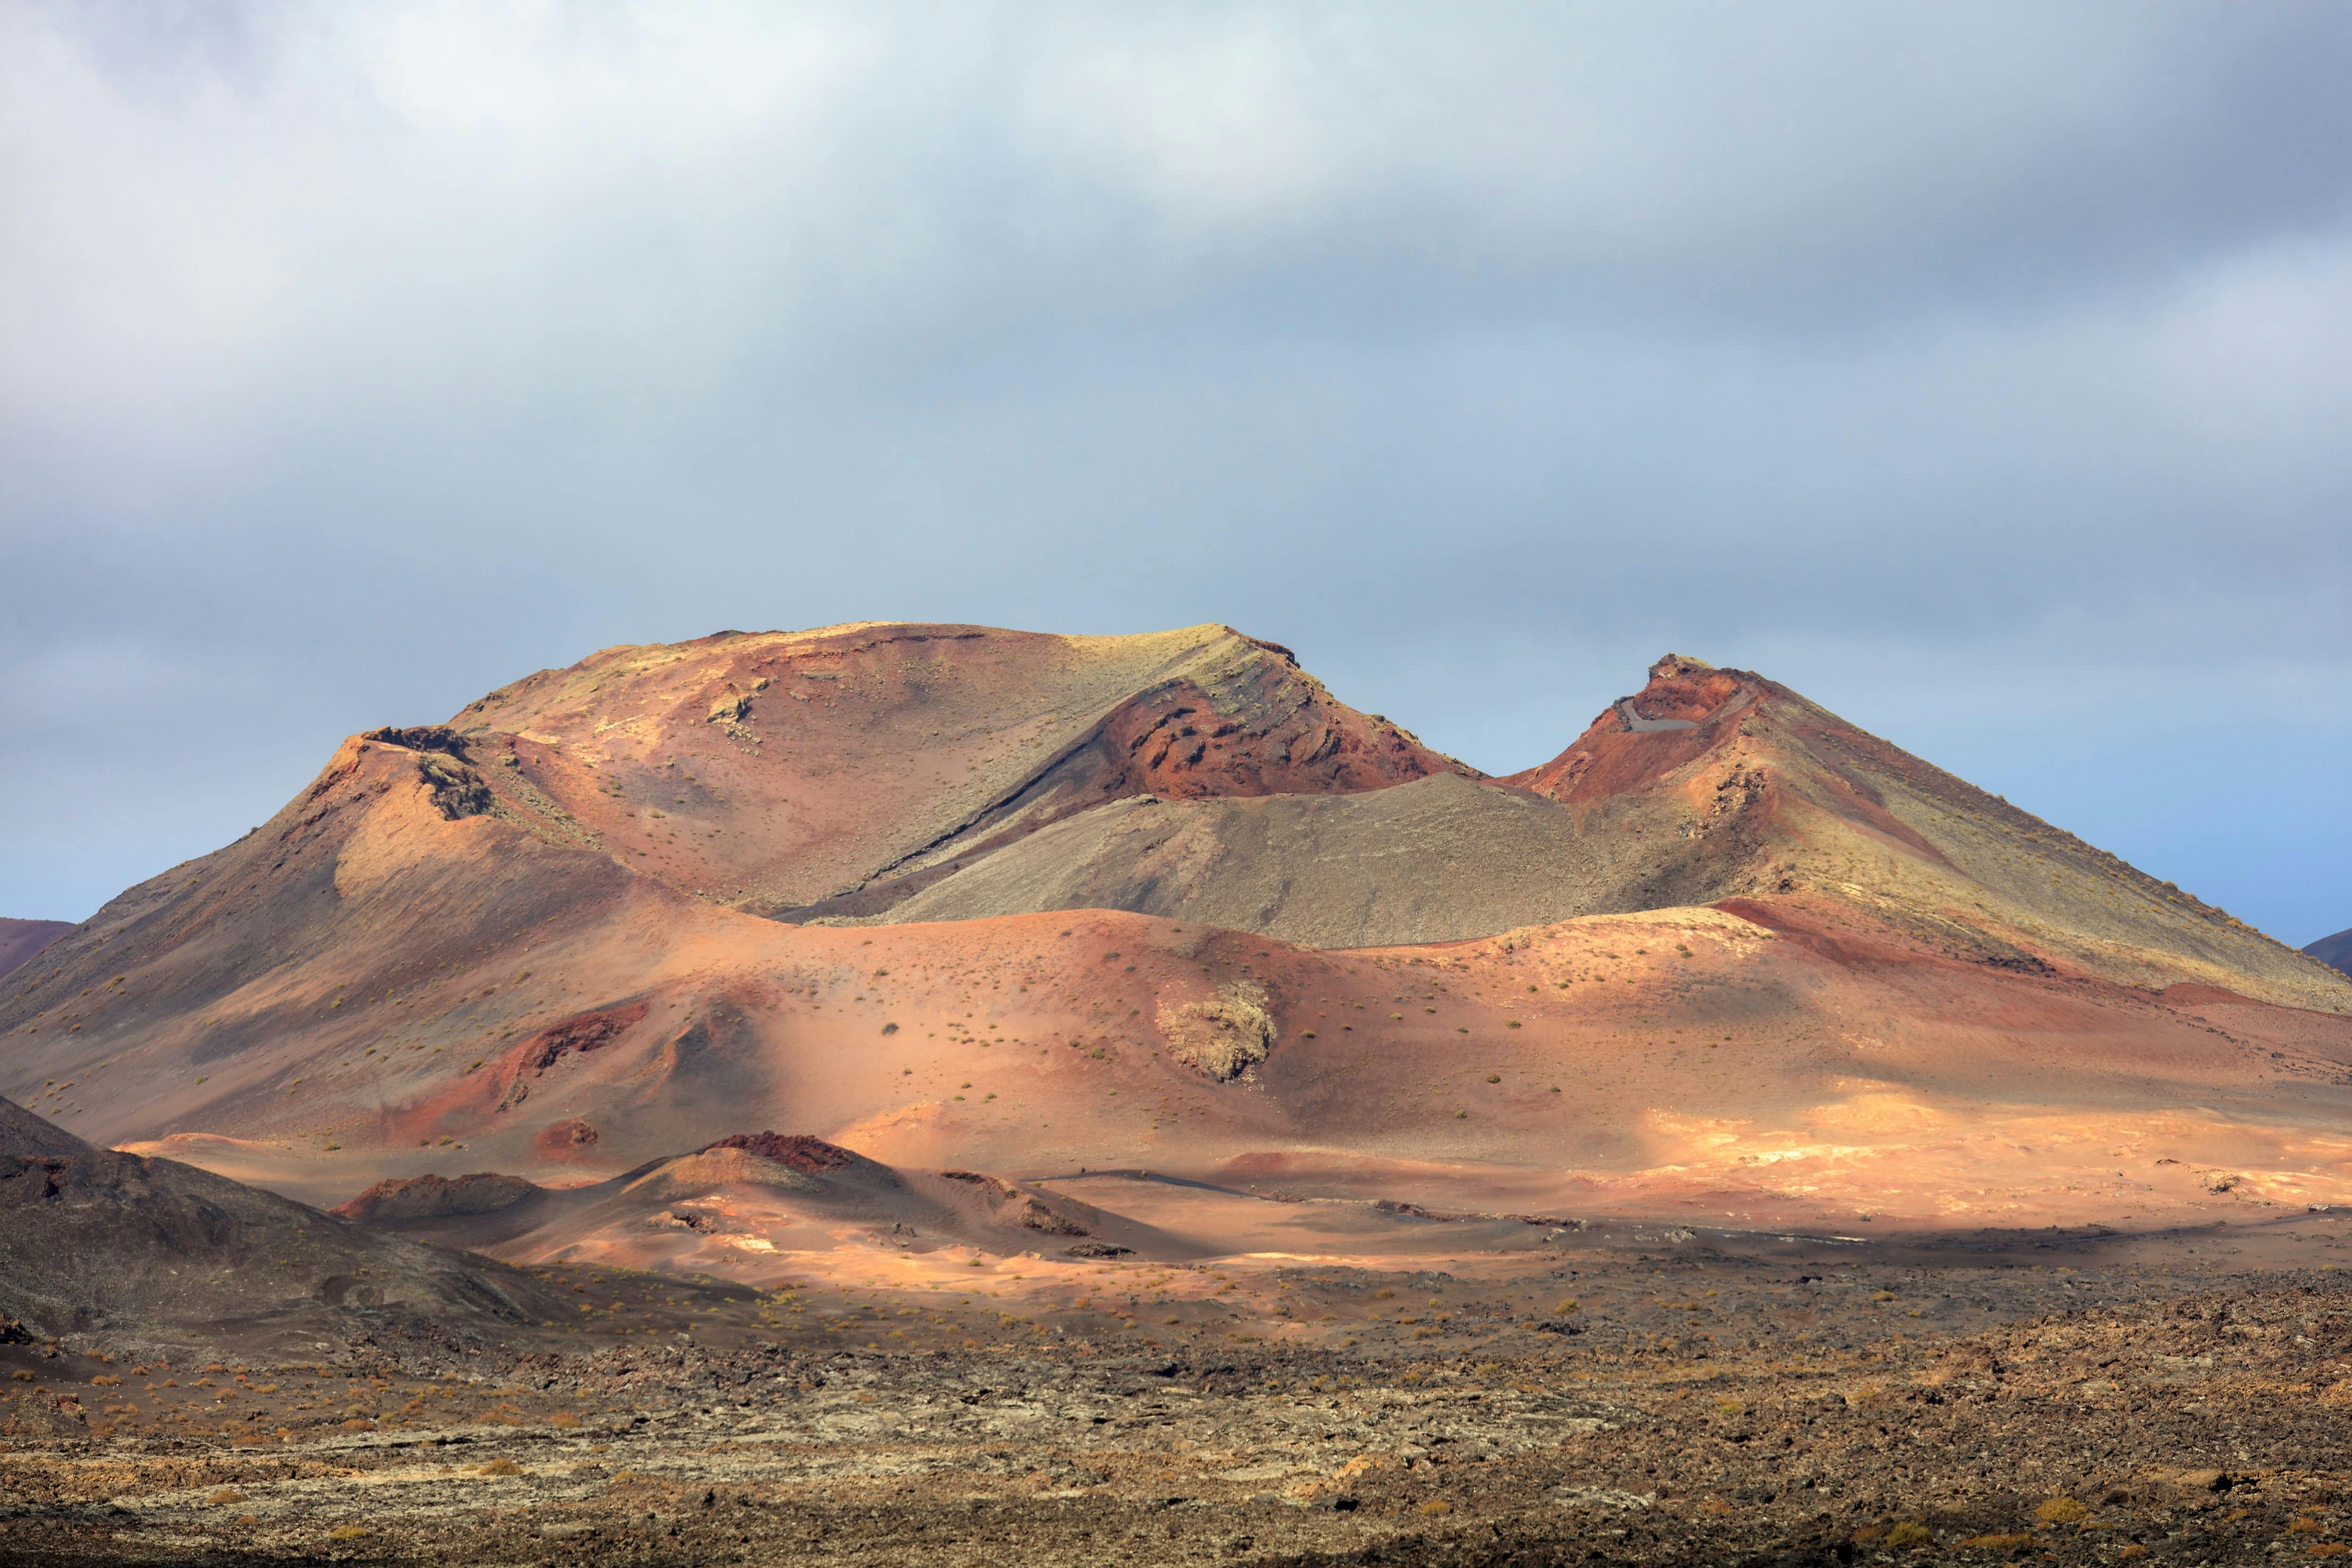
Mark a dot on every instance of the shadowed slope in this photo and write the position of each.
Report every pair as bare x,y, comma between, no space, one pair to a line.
92,1240
1437,860
21,940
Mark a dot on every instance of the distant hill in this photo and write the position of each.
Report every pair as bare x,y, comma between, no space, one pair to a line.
20,940
2336,952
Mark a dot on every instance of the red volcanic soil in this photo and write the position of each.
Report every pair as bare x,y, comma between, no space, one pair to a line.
1851,991
21,940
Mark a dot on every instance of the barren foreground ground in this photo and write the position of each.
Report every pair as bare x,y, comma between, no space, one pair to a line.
1624,1396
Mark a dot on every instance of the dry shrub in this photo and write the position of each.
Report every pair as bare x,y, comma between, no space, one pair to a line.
501,1467
1910,1534
2061,1510
1222,1038
1436,1505
2000,1543
223,1496
346,1533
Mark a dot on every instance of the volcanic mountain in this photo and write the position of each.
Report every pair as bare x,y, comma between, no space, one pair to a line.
961,899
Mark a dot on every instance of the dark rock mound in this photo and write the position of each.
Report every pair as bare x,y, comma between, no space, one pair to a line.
24,1136
436,1197
797,1152
94,1241
2336,952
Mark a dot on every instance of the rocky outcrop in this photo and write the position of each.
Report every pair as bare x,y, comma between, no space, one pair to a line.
1223,1037
436,1197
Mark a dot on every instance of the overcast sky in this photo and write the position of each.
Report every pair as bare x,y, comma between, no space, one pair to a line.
1984,371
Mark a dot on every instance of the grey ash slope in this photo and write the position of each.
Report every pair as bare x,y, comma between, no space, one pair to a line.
1441,859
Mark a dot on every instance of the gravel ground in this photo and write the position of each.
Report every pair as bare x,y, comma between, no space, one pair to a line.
1692,1405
